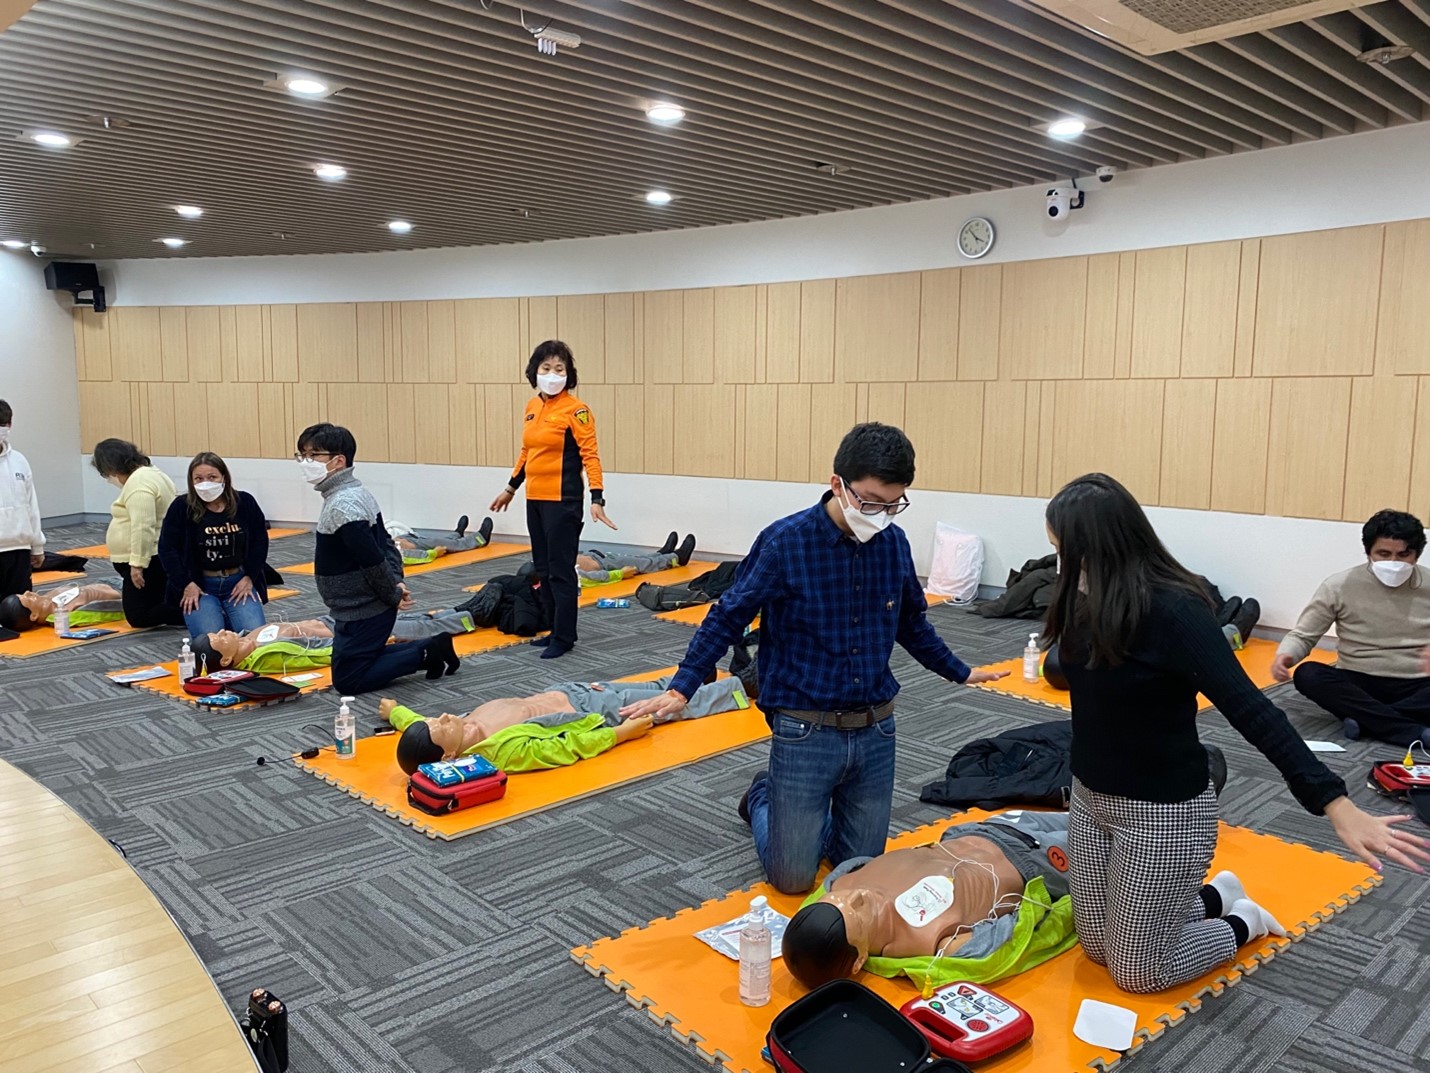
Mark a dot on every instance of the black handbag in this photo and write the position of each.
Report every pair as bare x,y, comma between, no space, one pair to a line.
265,1026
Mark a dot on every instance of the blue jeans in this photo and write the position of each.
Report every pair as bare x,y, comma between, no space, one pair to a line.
364,661
828,795
218,610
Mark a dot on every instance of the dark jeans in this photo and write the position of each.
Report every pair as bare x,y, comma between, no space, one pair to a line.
364,661
555,527
147,606
828,795
1395,710
14,572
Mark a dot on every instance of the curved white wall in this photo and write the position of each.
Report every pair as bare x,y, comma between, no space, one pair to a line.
1368,178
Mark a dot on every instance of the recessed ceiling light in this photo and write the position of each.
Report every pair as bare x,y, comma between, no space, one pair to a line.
333,173
1068,127
658,197
665,112
306,87
189,212
14,244
399,227
174,243
51,138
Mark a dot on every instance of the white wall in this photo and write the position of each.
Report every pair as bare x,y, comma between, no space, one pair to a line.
1366,178
1278,560
37,378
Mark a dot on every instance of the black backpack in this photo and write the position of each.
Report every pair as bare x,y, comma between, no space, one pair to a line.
265,1026
709,586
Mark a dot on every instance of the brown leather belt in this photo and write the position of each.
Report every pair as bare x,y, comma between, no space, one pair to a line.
847,719
223,573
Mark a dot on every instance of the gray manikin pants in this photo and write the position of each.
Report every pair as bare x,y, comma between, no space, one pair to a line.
419,625
709,699
644,563
427,539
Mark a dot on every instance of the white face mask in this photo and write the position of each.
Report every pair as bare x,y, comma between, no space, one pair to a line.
550,383
1392,573
4,435
313,470
115,480
208,491
864,526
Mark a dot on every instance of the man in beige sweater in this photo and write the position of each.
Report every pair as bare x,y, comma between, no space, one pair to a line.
1381,612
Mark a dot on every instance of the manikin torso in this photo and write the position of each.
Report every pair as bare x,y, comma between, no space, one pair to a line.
986,878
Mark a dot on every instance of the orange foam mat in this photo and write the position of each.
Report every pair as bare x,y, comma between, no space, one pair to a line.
687,987
1255,659
374,778
486,639
44,577
170,687
694,616
281,594
457,558
44,641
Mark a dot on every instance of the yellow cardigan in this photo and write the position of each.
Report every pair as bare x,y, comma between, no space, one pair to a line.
133,534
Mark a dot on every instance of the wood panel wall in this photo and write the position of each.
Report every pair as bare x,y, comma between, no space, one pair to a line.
1280,376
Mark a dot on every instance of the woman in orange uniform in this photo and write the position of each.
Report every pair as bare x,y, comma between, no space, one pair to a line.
558,441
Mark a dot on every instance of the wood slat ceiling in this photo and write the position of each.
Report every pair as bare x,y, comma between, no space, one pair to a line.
451,118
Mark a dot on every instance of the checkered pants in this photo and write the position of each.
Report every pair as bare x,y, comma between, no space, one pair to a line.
1135,870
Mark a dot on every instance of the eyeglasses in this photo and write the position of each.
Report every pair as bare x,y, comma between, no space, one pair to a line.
869,506
315,456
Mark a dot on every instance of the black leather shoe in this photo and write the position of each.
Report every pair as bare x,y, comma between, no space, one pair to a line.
743,808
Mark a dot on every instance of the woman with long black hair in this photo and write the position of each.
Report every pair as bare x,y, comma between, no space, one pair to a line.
1138,642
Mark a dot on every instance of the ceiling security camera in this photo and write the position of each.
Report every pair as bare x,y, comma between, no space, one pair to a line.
1106,174
1059,203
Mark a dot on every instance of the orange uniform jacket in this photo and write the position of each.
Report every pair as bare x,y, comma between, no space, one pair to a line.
558,437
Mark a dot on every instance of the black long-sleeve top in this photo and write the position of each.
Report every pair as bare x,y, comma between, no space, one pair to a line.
1134,725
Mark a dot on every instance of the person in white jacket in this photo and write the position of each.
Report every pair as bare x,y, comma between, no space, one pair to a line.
22,541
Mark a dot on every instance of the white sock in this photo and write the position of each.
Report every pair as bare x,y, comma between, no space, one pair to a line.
1229,887
1259,923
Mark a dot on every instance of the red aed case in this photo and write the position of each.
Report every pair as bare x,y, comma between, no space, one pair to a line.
968,1022
209,684
426,795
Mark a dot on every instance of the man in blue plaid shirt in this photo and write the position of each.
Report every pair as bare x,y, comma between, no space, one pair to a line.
835,589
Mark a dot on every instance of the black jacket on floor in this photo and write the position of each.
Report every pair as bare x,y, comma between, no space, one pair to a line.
1027,594
1027,766
511,603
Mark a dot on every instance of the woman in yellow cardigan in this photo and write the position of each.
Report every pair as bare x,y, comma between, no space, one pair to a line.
145,493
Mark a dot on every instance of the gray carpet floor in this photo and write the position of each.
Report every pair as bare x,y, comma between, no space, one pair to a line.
397,953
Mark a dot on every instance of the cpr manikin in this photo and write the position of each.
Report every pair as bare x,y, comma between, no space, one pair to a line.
31,610
955,898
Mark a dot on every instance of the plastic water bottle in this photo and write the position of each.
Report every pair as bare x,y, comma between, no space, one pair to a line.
1031,667
612,601
755,957
345,731
186,662
62,623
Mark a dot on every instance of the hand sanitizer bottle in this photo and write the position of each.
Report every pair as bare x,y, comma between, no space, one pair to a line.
345,731
755,958
186,662
1031,665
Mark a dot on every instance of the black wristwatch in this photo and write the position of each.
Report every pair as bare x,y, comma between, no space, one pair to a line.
598,501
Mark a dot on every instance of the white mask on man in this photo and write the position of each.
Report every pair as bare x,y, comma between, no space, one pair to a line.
208,491
313,470
551,383
865,527
1392,573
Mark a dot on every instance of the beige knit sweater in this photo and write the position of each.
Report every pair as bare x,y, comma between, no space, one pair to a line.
1379,630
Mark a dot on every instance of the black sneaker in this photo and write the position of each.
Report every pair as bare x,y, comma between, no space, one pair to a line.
1228,611
462,524
1246,618
743,808
1216,768
668,548
686,549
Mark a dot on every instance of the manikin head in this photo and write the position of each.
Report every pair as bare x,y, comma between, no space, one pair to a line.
217,650
430,740
873,468
15,613
830,939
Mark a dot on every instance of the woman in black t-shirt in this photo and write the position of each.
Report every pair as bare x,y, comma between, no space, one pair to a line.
1138,643
213,544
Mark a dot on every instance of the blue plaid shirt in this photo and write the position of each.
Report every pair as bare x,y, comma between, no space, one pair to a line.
831,610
